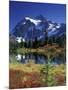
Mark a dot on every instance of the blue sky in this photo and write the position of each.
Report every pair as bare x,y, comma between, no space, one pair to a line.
19,10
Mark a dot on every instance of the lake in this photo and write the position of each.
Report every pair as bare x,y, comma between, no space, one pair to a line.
38,58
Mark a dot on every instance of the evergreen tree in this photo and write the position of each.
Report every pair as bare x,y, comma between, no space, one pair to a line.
46,37
36,43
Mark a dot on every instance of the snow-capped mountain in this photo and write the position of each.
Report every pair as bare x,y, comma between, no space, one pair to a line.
38,27
36,22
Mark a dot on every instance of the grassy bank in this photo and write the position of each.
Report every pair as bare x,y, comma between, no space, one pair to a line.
29,75
46,50
26,67
35,67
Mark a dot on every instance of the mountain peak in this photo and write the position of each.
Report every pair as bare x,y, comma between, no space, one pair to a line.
36,22
40,17
31,28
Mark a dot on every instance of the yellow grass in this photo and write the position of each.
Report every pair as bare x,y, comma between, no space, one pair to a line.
26,67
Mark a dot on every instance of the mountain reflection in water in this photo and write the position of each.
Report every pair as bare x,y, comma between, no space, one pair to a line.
39,59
